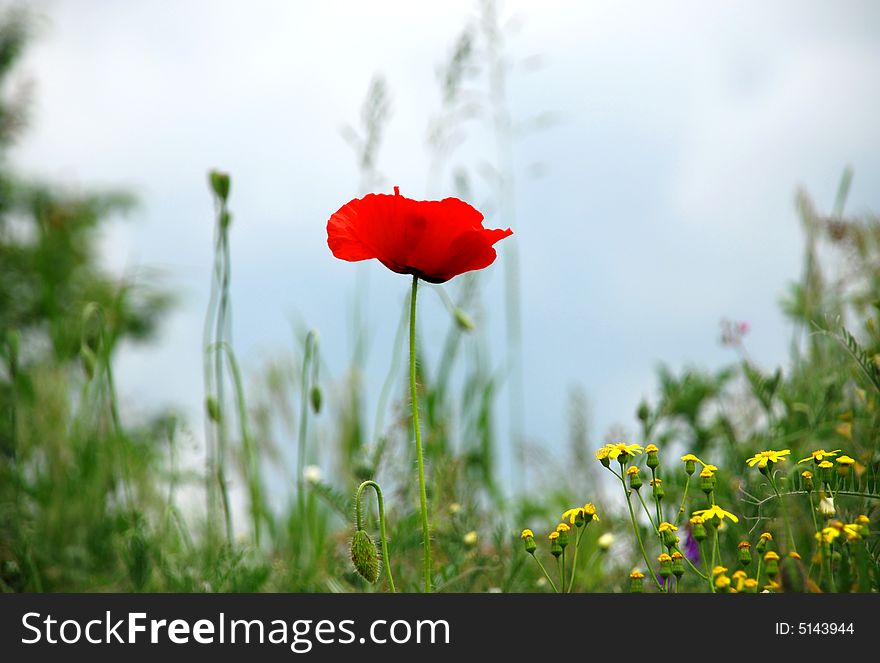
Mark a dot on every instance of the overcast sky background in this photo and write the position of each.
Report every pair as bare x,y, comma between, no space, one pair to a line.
666,202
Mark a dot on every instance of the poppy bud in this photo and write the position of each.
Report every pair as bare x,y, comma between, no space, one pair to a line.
219,184
463,320
364,556
89,360
635,582
745,553
316,399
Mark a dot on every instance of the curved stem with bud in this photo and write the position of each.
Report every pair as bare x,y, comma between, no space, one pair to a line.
382,537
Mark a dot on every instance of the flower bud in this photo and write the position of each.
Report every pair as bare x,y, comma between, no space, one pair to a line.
213,409
463,320
698,529
657,486
844,463
364,556
808,480
602,457
771,559
665,565
707,481
555,548
722,582
653,461
563,529
763,540
750,585
667,534
677,564
528,539
745,553
826,507
219,184
827,471
635,582
89,360
635,481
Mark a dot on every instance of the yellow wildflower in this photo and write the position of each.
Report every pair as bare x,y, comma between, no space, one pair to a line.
819,455
527,534
666,527
622,449
690,458
718,570
651,449
845,460
762,458
715,511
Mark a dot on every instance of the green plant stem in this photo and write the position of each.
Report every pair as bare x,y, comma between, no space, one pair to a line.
708,575
574,561
544,571
386,560
648,513
414,401
683,498
303,424
562,569
784,512
635,525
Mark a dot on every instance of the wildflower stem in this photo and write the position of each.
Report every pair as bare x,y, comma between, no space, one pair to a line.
544,571
414,401
784,511
386,560
632,516
574,560
562,570
683,498
708,575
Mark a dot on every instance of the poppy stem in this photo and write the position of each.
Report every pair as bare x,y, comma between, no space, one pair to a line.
414,398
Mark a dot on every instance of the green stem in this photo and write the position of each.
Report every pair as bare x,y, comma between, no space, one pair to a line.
784,511
708,575
544,570
574,562
683,498
632,516
653,524
414,399
562,569
386,560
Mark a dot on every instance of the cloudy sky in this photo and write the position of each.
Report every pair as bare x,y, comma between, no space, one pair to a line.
666,202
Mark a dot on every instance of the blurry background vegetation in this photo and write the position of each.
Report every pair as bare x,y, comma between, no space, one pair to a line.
90,501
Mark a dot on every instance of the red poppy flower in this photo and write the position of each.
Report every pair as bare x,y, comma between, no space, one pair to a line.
432,239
